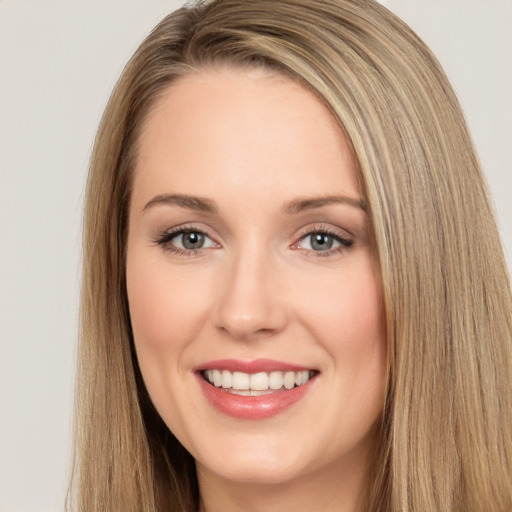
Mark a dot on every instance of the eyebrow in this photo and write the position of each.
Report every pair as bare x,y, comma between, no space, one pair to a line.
184,201
299,205
295,206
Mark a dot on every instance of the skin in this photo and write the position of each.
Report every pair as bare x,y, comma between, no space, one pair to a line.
252,142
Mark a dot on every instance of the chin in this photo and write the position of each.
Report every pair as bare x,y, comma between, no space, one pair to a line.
257,461
248,471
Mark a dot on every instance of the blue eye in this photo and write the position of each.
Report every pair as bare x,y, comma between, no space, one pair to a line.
323,242
189,241
185,240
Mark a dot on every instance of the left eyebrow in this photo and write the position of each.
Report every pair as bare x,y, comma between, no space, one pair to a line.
299,205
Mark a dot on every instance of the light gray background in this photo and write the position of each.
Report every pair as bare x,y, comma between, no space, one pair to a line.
58,63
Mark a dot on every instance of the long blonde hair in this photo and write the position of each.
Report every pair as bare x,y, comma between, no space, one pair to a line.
446,433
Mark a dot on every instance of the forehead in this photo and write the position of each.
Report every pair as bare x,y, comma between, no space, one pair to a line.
251,129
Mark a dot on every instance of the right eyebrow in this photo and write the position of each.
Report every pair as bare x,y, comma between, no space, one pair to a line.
183,201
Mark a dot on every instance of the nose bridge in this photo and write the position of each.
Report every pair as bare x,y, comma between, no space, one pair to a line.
249,302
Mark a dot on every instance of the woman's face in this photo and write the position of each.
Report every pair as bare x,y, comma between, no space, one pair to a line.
254,297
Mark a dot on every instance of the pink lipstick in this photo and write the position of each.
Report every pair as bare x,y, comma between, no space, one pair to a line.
255,389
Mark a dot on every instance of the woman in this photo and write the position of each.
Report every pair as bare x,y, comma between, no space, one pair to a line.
294,293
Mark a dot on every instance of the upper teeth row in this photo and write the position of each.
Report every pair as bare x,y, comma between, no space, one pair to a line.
256,381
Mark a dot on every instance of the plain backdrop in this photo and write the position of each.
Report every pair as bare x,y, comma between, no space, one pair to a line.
58,63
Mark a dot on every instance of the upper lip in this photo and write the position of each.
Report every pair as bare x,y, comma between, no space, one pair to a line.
252,366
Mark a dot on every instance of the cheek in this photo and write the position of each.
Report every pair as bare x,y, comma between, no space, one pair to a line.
165,308
349,321
167,311
349,307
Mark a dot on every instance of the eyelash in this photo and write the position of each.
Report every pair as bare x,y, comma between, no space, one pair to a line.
164,238
345,243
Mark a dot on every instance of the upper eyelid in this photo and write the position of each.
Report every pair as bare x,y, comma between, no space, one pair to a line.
167,236
164,237
327,229
315,228
187,228
343,240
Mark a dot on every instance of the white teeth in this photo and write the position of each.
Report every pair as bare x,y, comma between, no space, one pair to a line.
217,378
289,380
259,381
301,377
226,379
276,380
240,380
256,383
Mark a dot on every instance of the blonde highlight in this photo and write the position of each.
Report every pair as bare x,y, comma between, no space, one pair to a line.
446,441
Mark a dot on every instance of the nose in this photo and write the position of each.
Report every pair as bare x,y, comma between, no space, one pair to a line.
251,303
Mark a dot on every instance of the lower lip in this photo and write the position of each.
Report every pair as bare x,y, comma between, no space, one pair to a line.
252,407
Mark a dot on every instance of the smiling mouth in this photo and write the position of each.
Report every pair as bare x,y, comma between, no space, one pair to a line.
256,384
